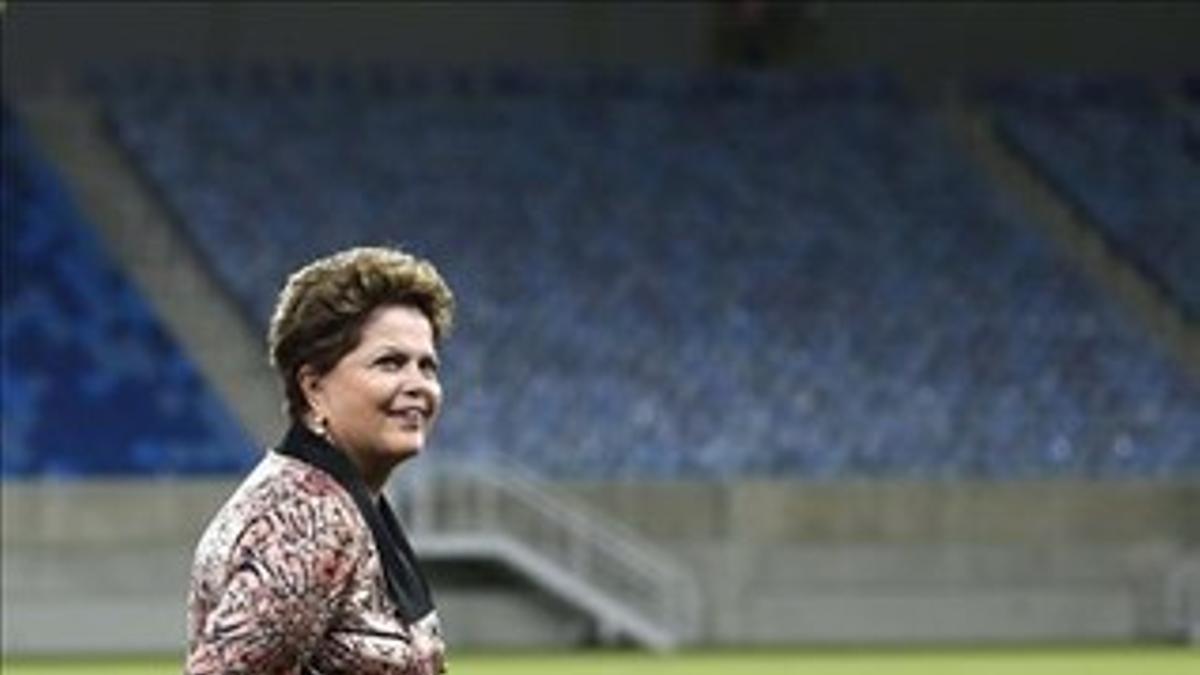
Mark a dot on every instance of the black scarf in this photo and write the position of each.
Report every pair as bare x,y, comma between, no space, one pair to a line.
406,586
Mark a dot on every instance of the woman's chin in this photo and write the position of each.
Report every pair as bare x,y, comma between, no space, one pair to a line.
406,448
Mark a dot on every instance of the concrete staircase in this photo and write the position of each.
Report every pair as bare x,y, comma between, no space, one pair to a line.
630,588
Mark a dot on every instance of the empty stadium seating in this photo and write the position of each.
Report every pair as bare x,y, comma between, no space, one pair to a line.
667,275
92,384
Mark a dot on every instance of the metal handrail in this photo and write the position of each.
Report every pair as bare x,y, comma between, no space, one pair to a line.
485,499
632,545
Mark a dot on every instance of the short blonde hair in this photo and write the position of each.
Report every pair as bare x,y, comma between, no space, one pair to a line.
322,308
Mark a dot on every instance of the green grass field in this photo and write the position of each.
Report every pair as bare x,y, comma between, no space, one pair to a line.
1102,661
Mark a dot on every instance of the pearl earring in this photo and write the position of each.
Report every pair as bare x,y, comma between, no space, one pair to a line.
322,424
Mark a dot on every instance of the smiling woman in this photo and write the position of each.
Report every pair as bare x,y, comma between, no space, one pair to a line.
306,569
380,400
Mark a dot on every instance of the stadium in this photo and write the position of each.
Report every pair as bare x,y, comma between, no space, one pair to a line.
803,337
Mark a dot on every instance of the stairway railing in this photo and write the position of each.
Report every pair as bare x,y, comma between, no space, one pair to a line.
602,566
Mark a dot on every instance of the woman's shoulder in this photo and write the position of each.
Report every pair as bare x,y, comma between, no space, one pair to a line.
279,479
294,478
284,497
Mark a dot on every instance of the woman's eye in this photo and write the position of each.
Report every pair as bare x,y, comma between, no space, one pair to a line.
391,363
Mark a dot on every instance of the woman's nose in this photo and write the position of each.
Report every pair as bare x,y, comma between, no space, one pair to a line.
416,380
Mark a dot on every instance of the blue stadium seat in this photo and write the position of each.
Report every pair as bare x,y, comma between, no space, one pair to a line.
92,384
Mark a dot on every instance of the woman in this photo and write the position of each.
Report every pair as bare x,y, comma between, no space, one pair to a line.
305,569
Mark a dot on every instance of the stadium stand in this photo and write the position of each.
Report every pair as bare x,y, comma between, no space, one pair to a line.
92,384
667,275
1121,154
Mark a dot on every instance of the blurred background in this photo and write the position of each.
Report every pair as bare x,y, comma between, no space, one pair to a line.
781,324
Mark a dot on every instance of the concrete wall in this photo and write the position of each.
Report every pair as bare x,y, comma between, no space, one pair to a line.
99,566
104,566
909,562
906,512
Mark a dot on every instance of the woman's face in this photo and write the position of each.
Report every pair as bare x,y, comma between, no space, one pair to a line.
381,399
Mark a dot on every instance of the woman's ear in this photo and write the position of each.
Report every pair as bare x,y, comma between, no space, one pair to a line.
310,384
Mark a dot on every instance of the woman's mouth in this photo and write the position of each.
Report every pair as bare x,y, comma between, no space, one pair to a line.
411,418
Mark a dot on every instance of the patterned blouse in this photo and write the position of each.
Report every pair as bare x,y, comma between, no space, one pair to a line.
302,573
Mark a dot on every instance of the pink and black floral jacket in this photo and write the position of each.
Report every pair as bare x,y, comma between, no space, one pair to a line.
302,573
